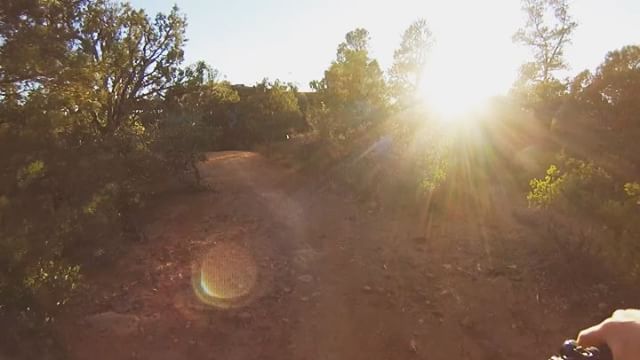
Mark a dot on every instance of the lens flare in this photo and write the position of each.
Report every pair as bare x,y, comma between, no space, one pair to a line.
226,276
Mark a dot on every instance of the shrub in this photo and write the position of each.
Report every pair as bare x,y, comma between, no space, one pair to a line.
598,204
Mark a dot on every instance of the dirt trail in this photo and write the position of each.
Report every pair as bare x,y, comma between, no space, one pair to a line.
333,280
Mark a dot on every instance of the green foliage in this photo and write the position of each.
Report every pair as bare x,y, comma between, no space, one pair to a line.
30,173
576,186
191,118
434,173
544,191
410,60
96,114
57,277
584,191
431,154
547,32
597,120
632,190
613,92
266,112
601,116
182,141
353,92
79,81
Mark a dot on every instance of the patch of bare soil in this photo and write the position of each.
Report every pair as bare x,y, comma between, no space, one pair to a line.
273,266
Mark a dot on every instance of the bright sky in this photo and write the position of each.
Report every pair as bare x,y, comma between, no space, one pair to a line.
295,40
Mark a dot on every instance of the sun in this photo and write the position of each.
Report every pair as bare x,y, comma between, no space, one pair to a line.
455,90
453,99
466,69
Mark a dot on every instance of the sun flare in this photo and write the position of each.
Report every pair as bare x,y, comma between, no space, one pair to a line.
452,89
453,100
467,68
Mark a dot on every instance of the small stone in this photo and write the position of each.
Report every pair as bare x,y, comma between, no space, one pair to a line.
305,278
286,289
413,345
304,299
366,288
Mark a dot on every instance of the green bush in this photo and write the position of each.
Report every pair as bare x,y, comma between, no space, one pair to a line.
576,185
598,203
546,190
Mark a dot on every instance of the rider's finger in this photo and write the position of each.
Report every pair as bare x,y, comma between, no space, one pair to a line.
593,336
622,314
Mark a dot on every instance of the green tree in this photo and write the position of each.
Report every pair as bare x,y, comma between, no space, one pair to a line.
35,38
130,58
547,32
353,91
355,41
604,111
410,60
596,201
614,90
76,77
192,117
267,112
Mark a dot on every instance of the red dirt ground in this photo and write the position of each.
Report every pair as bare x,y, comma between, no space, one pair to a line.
305,272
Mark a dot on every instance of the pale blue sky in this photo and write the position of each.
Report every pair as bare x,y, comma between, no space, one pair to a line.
295,40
